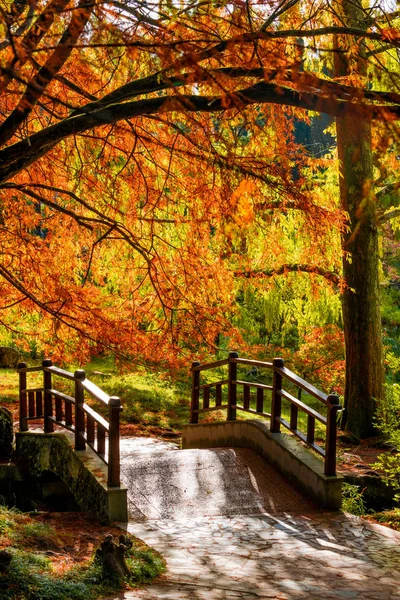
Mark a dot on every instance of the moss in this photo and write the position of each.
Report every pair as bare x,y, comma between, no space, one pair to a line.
6,432
52,452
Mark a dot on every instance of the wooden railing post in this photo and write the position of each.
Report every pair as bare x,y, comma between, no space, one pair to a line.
232,391
276,403
194,406
330,445
48,403
23,409
80,444
113,442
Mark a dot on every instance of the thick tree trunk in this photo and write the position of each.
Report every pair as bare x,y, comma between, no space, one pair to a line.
361,298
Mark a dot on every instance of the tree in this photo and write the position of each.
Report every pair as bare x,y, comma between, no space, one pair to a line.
124,166
361,297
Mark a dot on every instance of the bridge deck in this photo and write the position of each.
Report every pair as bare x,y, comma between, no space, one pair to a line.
166,483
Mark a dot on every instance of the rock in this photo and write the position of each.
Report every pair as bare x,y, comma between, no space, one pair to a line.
6,432
9,357
5,559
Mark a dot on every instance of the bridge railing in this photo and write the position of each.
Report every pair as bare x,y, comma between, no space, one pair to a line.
234,394
73,413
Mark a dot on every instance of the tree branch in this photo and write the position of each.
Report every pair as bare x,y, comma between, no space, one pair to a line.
329,275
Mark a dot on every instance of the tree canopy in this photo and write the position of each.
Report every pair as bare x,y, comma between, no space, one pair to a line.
148,161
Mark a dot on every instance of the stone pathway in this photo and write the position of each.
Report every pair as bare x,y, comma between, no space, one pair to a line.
271,553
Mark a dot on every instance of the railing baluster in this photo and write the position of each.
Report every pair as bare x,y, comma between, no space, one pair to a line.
310,429
39,404
246,397
294,412
260,400
90,429
194,406
232,392
31,404
330,445
80,444
218,394
68,414
206,397
48,400
23,409
276,404
101,439
59,410
113,442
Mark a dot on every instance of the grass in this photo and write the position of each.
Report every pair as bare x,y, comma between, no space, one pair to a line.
390,518
42,555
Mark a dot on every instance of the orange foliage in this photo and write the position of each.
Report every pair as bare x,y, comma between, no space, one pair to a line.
142,147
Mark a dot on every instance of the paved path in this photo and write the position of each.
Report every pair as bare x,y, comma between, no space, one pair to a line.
271,547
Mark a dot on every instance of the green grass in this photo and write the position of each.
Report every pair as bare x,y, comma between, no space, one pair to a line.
391,518
149,399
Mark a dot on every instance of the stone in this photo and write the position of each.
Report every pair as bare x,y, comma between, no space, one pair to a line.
9,357
6,432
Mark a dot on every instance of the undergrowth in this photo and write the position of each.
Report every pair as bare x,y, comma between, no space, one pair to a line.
353,500
32,575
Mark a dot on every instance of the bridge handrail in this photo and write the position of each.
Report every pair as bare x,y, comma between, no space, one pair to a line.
280,373
89,427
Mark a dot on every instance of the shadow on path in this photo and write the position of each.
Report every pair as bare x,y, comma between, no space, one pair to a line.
230,527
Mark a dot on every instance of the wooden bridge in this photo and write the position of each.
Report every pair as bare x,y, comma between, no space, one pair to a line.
92,418
239,394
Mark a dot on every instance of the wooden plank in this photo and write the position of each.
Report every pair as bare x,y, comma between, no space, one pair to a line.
62,423
307,409
214,383
93,447
94,415
310,429
260,400
31,404
211,408
101,440
95,391
301,383
62,396
68,414
218,395
213,365
253,384
246,397
206,398
253,363
59,408
90,429
39,403
294,412
60,373
302,437
251,411
29,369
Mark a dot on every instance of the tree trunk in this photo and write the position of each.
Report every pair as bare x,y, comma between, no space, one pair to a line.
112,556
361,298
